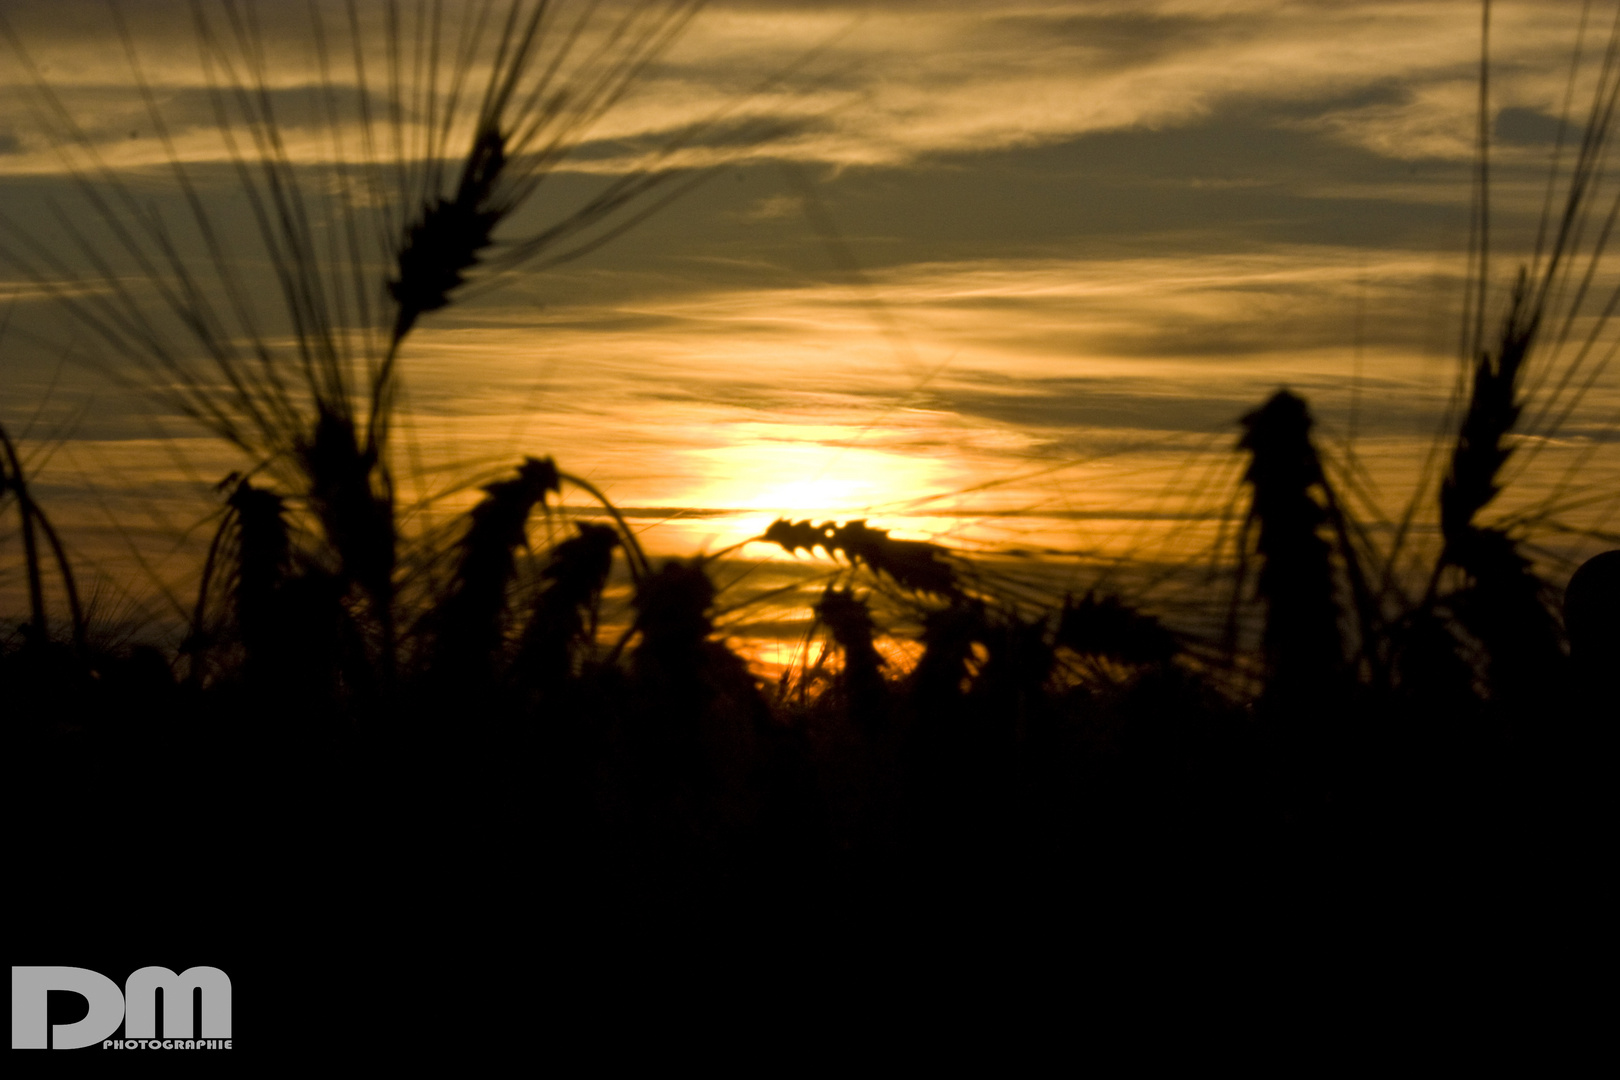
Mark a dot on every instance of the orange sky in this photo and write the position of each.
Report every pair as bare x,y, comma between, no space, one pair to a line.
1007,280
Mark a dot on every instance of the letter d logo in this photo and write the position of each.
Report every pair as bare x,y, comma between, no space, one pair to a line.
29,986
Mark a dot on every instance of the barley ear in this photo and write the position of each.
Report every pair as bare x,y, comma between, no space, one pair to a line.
1304,651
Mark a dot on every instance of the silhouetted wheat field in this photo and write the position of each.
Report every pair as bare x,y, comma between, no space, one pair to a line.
371,725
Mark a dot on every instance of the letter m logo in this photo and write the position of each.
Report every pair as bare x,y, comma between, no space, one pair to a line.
140,1003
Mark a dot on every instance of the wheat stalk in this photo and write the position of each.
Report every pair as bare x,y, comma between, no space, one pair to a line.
1302,640
911,564
33,517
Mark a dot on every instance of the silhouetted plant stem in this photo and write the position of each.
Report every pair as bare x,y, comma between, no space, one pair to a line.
262,564
632,546
850,620
912,564
565,614
358,519
18,486
1370,630
1498,599
1481,449
31,516
1302,641
469,622
65,568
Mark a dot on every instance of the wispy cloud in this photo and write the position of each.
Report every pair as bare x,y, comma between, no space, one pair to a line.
890,83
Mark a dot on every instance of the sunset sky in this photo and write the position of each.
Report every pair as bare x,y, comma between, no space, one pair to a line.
1001,275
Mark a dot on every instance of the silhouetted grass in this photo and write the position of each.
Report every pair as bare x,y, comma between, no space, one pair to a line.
404,749
33,522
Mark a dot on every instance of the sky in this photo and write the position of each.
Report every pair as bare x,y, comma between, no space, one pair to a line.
1003,276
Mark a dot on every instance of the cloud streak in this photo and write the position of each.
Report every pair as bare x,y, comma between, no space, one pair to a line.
892,83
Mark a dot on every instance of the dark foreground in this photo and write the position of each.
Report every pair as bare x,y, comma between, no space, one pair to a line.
650,836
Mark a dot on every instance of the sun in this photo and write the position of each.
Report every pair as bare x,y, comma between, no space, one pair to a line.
814,479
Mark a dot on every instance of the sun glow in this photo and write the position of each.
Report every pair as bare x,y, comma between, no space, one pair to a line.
813,478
